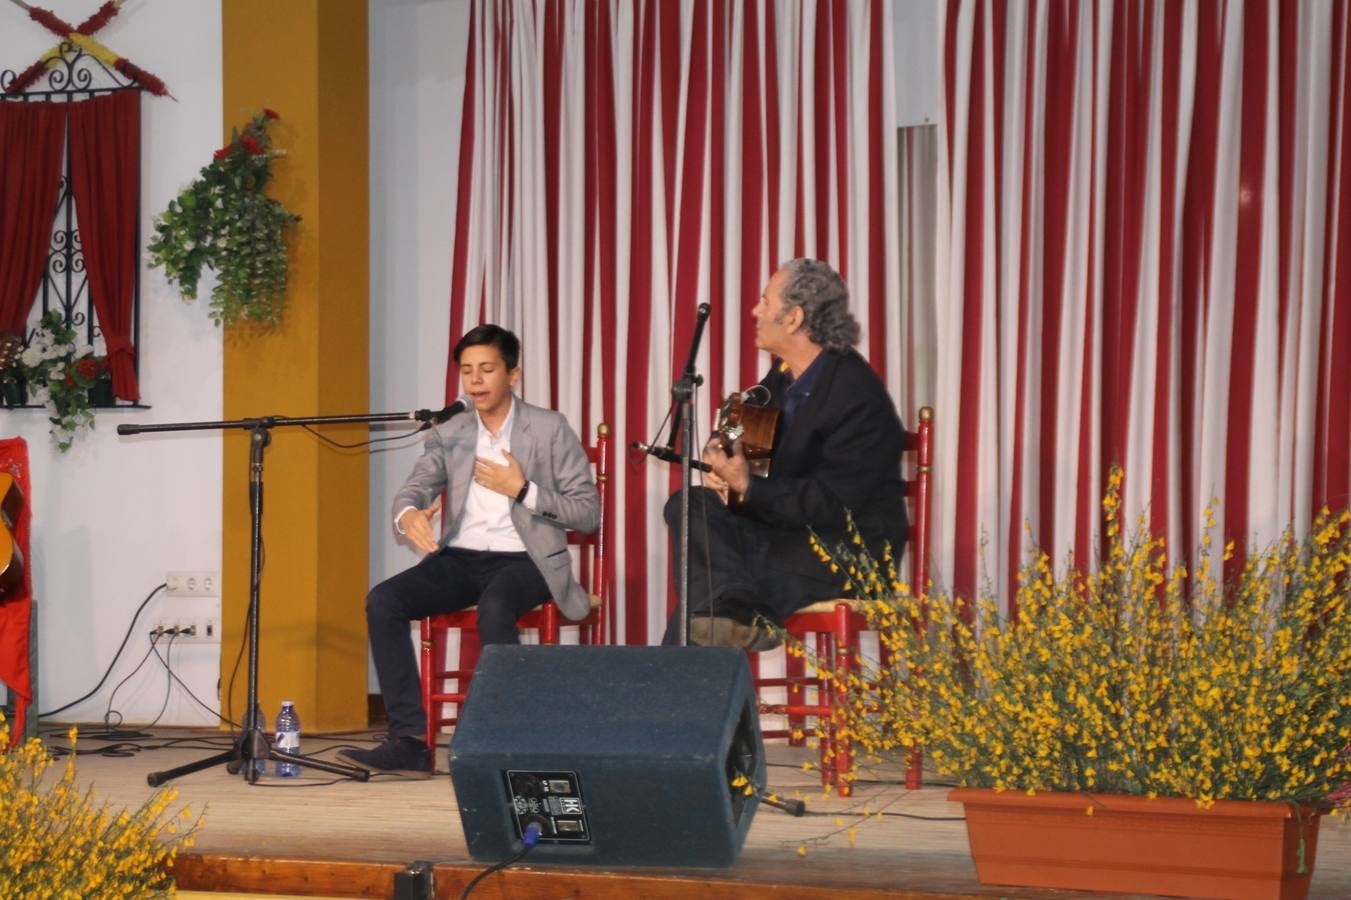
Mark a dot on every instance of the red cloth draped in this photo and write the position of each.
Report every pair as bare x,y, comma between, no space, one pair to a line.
30,182
104,159
16,609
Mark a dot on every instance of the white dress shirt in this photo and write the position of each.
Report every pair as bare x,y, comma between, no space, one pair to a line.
486,523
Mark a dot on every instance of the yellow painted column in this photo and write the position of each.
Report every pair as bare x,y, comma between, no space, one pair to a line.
307,60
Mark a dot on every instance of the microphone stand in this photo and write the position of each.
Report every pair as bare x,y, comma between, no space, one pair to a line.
252,745
682,396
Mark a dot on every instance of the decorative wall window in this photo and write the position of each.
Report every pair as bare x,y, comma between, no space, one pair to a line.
89,146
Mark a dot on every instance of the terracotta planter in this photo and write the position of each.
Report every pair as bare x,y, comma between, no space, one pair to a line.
1134,845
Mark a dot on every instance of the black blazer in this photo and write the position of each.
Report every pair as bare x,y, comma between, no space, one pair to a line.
842,452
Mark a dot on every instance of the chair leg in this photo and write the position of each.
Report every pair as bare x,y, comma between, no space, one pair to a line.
549,629
795,669
431,710
846,644
825,693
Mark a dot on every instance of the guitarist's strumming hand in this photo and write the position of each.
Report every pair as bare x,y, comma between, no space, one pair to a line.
729,470
417,526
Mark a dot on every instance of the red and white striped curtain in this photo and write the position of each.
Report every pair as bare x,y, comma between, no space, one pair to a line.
624,161
1144,258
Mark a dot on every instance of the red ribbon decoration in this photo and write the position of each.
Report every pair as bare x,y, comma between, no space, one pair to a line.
26,78
63,29
51,21
98,19
150,82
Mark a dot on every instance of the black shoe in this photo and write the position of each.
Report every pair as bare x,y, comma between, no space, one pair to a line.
406,756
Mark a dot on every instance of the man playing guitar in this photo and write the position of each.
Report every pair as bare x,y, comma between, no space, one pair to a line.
836,451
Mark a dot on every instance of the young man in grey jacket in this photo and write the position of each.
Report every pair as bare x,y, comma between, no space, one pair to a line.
516,478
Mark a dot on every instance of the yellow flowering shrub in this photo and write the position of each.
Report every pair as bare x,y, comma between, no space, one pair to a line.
1137,678
56,842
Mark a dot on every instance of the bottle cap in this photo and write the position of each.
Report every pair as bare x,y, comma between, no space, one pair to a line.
287,703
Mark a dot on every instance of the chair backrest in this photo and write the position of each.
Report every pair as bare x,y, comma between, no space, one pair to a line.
920,442
595,547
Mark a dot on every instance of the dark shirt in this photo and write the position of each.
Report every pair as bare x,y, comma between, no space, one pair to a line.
799,389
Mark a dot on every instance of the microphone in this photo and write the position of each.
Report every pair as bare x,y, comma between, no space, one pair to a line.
754,392
666,454
445,413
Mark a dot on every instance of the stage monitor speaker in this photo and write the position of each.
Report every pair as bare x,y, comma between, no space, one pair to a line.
622,756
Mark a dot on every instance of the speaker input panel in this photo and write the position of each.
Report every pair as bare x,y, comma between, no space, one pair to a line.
552,801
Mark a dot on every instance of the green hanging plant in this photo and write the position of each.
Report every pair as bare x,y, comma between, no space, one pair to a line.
224,220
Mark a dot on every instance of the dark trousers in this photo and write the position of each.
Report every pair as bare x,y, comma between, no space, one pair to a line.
503,585
733,571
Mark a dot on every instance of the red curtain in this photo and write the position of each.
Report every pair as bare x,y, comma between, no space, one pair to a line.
104,159
16,608
30,181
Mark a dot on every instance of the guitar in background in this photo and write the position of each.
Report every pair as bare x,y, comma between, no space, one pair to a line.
11,497
11,557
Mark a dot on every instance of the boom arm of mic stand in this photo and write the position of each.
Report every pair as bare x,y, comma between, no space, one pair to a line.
417,415
666,454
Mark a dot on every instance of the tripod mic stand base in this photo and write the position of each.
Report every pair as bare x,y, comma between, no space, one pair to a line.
253,748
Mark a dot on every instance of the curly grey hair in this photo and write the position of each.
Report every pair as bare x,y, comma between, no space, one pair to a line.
824,298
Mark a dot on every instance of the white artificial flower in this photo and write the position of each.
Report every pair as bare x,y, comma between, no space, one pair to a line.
31,357
56,372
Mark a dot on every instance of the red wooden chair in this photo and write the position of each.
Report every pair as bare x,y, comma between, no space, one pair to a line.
831,629
437,676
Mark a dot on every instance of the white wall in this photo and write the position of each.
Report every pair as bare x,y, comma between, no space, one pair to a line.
114,514
417,61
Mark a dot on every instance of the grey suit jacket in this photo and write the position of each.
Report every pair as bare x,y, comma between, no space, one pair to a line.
553,460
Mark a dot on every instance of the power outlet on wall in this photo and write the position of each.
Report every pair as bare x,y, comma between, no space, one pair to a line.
184,629
192,584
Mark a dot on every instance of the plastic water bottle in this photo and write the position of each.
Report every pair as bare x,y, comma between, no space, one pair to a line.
288,738
253,720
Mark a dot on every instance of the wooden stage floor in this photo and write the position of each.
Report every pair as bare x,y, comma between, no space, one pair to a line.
319,837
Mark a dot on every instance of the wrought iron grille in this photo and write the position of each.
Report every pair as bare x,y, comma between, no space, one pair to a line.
75,76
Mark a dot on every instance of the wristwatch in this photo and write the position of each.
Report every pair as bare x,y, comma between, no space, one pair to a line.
525,489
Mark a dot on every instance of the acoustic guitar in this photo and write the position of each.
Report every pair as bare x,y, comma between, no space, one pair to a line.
11,498
11,557
754,426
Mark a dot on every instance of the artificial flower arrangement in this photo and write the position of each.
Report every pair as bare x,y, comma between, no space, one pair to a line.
56,841
1141,678
61,373
224,220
